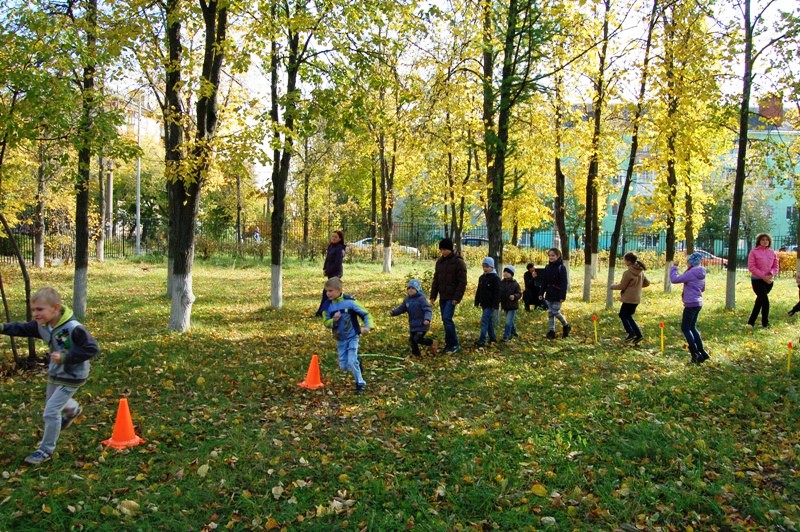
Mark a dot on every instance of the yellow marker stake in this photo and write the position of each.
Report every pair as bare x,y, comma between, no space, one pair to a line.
594,319
662,336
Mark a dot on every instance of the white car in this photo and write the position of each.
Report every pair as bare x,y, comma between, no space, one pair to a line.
367,243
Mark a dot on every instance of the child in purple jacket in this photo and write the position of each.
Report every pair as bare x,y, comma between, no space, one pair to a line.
694,284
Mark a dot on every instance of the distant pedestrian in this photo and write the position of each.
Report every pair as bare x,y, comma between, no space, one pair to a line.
554,292
487,297
533,289
342,317
257,235
763,265
334,265
70,347
449,282
630,286
694,284
510,294
419,317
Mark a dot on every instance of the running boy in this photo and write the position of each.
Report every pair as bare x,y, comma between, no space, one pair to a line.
342,316
70,346
419,316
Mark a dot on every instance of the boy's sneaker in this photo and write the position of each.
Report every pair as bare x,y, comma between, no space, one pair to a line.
565,330
702,356
453,349
628,339
361,388
37,457
67,421
637,340
479,344
551,335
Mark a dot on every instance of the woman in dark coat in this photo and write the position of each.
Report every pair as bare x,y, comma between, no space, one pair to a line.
334,265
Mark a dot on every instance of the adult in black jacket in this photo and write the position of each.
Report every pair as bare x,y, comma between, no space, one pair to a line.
533,289
449,282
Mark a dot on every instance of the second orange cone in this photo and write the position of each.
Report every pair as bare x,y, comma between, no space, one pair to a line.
124,435
312,381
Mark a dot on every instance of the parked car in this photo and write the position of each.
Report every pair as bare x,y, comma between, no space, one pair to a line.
474,241
369,242
709,259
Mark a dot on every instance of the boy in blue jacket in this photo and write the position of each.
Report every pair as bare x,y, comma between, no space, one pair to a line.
342,317
419,316
71,346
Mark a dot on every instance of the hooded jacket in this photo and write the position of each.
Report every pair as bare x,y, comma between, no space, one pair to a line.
762,261
555,281
694,284
631,284
508,288
70,338
347,327
419,311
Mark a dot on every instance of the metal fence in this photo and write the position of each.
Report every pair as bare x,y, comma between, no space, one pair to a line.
414,241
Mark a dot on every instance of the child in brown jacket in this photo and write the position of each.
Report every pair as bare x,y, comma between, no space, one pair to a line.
631,284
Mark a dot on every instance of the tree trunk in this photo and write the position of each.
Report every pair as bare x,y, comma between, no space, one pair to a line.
672,178
81,280
173,129
594,163
26,279
280,170
623,200
560,203
185,191
101,206
38,217
741,160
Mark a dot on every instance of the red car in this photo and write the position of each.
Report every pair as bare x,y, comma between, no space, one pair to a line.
710,259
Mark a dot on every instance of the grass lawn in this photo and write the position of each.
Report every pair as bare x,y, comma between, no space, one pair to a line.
569,434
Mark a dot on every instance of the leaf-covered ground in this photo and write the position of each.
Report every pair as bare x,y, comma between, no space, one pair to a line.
530,434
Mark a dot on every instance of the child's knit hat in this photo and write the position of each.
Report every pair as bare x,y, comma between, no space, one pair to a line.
510,269
488,261
446,243
694,259
413,283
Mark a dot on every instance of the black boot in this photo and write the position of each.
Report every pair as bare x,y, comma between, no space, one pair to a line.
695,355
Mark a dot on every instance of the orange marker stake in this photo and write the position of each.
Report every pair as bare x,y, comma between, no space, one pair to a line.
594,319
661,324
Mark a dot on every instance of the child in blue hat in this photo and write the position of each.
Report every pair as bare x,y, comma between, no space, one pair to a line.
419,317
487,296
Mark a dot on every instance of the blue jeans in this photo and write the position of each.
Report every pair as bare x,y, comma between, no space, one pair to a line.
487,326
59,399
510,329
448,309
348,357
689,329
626,312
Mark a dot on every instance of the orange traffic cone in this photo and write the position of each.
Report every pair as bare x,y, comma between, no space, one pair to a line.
312,381
123,436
